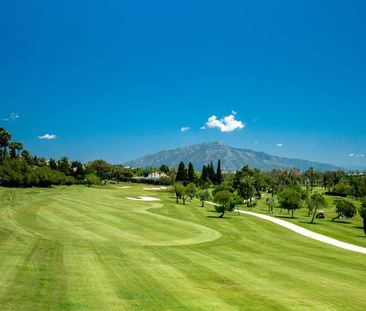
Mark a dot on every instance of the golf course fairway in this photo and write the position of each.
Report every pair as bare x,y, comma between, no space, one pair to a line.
80,248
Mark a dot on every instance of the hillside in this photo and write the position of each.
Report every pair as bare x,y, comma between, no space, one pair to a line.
231,158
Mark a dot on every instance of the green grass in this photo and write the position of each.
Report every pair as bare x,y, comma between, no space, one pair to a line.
346,230
79,248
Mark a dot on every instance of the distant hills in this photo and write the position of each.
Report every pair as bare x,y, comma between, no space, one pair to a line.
232,158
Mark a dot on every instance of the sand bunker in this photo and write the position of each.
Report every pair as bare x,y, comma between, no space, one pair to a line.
156,188
123,187
143,199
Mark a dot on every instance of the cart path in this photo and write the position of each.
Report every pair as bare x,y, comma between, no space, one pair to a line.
305,232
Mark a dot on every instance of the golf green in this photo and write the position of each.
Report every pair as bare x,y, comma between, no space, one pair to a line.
80,248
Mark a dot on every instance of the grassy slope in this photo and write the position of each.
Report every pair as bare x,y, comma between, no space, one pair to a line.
78,248
347,230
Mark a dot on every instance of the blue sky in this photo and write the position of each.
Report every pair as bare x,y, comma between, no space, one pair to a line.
119,79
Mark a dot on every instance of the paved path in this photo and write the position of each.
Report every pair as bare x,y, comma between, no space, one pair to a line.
309,233
306,232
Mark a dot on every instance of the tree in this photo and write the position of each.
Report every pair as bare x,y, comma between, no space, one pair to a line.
164,169
362,212
211,173
245,171
18,148
12,147
26,156
102,169
289,199
48,177
181,174
225,203
315,202
63,165
92,179
204,174
12,173
246,188
5,138
191,190
77,170
219,177
271,204
190,176
178,190
52,164
204,195
344,208
311,176
15,148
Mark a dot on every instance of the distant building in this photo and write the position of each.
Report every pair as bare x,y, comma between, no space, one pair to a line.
155,176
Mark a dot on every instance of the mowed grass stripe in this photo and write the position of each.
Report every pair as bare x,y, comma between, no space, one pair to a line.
109,226
39,273
252,265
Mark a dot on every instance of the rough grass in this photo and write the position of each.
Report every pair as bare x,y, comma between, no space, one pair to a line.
79,248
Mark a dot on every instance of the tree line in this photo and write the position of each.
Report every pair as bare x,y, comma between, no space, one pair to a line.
290,187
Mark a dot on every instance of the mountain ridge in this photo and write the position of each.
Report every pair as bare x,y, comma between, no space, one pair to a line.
232,158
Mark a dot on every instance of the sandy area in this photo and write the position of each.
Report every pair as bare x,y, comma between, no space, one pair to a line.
156,188
143,199
123,187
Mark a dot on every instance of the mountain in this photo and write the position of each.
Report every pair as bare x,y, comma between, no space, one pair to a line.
232,159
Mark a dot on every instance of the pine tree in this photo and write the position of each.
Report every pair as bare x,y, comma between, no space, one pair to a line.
219,177
204,175
211,173
52,164
182,173
190,172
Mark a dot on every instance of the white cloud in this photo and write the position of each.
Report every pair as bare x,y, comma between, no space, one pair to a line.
226,124
279,145
48,136
255,119
13,117
356,155
202,127
185,129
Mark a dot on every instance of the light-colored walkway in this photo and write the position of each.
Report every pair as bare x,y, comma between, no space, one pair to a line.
308,233
305,232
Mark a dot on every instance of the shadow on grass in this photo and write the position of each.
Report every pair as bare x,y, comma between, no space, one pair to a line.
340,222
286,217
309,223
358,227
217,217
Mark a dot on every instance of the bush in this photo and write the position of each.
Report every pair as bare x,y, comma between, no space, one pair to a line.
92,179
336,194
252,204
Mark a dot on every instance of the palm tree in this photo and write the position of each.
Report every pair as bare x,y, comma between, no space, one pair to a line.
19,147
15,146
26,156
12,147
5,138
